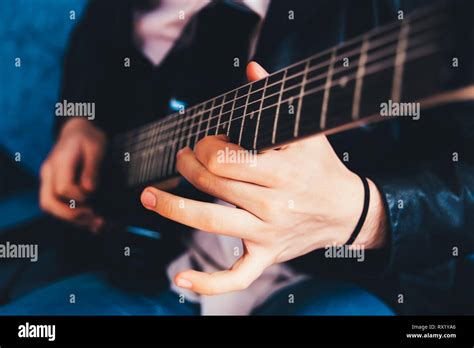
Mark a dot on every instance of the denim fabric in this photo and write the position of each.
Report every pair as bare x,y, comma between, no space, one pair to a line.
323,297
93,296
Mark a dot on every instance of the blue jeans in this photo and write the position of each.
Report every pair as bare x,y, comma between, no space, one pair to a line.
94,296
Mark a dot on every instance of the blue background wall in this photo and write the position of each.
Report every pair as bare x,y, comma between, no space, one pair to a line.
35,31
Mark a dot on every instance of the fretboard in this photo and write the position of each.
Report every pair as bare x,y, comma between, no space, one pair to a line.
337,89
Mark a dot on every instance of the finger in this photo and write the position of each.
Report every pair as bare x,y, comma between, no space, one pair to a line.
209,217
255,71
51,204
244,272
92,156
92,223
241,194
234,162
64,166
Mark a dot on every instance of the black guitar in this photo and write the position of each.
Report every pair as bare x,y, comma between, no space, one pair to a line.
425,58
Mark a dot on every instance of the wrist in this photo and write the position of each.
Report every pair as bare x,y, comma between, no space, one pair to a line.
373,232
74,123
81,125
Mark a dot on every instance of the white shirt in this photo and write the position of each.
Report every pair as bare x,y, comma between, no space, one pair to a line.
156,31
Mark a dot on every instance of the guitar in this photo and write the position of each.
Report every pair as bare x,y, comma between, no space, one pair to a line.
421,59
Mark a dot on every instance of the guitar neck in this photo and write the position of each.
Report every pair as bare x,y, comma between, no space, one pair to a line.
404,62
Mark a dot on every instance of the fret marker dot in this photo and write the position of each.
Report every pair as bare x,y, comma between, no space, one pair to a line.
343,81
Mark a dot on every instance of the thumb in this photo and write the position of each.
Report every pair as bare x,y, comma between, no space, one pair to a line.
255,72
247,269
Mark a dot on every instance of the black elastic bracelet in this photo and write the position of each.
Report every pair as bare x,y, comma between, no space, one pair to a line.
365,209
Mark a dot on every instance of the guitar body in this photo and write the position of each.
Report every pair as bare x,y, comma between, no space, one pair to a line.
138,244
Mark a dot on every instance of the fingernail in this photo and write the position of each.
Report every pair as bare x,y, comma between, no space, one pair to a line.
184,283
179,152
148,199
88,184
260,69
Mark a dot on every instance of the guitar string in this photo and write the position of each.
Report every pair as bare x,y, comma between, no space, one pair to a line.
388,52
355,52
372,70
376,55
346,44
373,32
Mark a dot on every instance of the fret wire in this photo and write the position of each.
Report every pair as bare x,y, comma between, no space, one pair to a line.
158,136
360,79
377,68
167,154
277,115
399,60
311,69
153,140
374,69
210,117
388,63
298,112
182,131
313,79
373,32
259,113
150,127
188,137
243,116
163,156
175,148
309,81
144,138
423,50
318,88
199,127
144,165
324,108
219,116
231,113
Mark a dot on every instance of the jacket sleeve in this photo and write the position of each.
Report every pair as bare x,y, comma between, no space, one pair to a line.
430,206
84,63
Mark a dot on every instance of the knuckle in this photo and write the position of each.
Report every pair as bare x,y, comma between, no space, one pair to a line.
44,169
62,190
214,222
204,181
283,176
271,208
166,208
266,207
201,144
180,164
213,165
267,233
44,203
